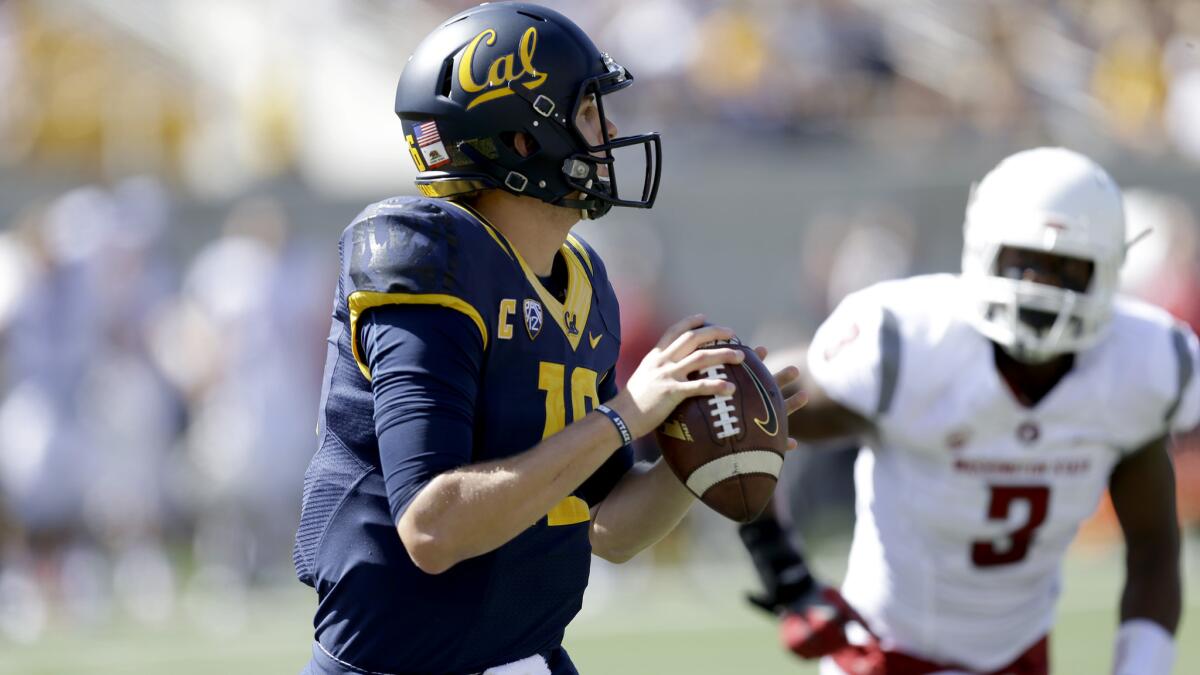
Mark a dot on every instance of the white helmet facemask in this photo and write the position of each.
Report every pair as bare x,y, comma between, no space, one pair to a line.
1051,201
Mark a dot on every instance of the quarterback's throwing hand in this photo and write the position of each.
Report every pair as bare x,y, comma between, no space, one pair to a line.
661,381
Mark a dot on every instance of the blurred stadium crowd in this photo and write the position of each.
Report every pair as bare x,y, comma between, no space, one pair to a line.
159,377
148,406
202,93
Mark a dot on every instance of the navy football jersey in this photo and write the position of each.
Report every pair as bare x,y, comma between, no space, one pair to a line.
413,268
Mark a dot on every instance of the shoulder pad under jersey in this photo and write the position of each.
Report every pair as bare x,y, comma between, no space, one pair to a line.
410,250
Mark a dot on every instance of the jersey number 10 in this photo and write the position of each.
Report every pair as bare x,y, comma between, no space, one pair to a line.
582,391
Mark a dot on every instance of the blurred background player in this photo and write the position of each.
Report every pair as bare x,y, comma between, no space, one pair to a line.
995,406
474,451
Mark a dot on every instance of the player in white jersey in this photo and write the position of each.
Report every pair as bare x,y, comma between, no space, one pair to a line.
995,407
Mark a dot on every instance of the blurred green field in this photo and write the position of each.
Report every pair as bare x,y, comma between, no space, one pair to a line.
638,620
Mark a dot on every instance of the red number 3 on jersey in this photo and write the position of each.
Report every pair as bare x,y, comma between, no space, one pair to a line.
992,553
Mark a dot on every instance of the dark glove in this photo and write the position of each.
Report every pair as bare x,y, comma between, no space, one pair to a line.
784,576
812,616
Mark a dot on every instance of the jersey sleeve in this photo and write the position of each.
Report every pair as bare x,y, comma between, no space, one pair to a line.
412,253
850,357
599,484
1185,413
1155,364
426,363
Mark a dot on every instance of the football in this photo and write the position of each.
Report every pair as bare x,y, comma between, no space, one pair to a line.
728,450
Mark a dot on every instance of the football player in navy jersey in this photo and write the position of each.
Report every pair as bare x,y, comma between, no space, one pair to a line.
473,447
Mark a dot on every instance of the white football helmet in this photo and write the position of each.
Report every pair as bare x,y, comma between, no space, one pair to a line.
1054,201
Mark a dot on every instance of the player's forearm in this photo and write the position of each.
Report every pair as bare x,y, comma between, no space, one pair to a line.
1143,494
1152,586
1150,608
645,505
470,511
820,419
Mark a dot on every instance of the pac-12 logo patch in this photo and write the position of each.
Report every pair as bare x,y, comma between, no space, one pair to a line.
533,317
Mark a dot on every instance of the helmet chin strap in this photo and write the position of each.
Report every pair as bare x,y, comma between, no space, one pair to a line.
601,208
590,208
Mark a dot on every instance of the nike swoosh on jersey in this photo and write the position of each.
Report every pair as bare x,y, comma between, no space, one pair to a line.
594,339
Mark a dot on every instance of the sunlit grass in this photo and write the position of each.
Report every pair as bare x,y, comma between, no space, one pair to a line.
638,620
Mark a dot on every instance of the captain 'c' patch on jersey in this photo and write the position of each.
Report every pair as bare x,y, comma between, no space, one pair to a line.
504,330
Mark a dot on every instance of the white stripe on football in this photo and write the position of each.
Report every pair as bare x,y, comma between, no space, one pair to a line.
736,464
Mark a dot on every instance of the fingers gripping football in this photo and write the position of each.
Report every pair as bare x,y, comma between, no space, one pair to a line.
704,359
661,380
691,339
727,449
677,330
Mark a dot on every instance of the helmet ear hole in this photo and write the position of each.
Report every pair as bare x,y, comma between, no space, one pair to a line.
520,143
446,81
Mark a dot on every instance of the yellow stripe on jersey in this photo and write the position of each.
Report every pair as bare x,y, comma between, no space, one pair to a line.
569,511
571,315
361,301
581,251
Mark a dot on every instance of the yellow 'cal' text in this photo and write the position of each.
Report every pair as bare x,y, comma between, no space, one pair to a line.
506,69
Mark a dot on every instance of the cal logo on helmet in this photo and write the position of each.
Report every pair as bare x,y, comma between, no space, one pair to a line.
505,69
533,318
506,66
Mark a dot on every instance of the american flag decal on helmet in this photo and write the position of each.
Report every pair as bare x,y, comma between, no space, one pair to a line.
429,140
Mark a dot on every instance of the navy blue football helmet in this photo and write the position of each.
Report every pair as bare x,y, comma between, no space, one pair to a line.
508,67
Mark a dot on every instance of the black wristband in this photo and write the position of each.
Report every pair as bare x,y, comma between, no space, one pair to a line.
622,427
